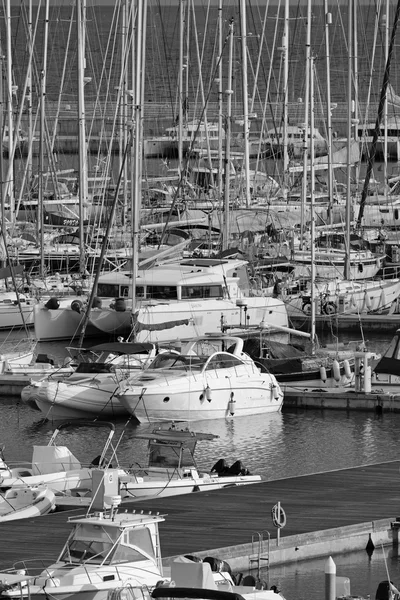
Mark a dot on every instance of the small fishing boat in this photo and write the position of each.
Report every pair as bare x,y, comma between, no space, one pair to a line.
106,554
104,551
211,378
55,466
171,469
26,502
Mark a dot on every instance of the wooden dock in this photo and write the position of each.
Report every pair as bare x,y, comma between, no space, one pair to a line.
208,520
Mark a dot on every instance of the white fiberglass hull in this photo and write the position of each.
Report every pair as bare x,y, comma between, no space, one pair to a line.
12,316
160,321
348,298
38,502
60,400
331,265
58,482
179,487
94,585
191,399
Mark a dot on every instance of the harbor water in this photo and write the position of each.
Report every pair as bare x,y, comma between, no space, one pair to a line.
287,444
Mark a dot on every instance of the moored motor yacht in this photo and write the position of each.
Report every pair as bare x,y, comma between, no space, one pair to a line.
176,301
211,378
88,392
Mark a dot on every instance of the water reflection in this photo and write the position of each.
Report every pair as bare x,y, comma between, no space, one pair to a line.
306,580
275,446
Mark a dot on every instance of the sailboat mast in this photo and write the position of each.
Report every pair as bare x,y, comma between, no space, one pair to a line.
138,79
246,129
385,112
328,22
43,84
180,86
376,133
227,160
312,195
220,103
29,92
10,177
285,50
306,129
349,134
82,174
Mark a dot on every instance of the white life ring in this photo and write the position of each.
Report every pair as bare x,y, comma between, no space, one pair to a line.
278,516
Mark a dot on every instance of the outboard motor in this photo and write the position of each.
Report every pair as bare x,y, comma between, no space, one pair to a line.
238,469
384,590
221,467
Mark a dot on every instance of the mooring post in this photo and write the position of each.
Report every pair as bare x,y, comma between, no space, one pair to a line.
330,579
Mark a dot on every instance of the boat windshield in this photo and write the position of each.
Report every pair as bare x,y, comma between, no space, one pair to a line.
93,552
104,546
178,362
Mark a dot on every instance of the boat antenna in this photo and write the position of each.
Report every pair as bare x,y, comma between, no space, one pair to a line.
376,133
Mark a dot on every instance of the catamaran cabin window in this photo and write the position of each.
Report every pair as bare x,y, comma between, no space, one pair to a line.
111,290
162,292
201,291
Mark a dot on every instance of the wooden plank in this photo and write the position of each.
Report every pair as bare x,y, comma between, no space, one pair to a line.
207,520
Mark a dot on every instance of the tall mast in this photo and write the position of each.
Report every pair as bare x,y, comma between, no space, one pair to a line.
349,134
312,192
220,103
82,174
43,83
227,160
246,130
10,175
29,92
306,129
376,134
385,112
285,50
328,22
180,86
138,79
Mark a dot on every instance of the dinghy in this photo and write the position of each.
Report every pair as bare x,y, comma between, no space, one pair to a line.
26,502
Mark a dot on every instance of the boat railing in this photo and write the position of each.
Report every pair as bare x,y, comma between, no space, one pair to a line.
32,567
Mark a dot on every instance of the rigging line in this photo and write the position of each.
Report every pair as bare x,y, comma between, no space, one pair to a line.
382,101
105,242
190,149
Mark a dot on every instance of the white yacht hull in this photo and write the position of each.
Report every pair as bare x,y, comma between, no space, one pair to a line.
331,265
176,487
158,321
11,315
188,400
348,298
59,400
